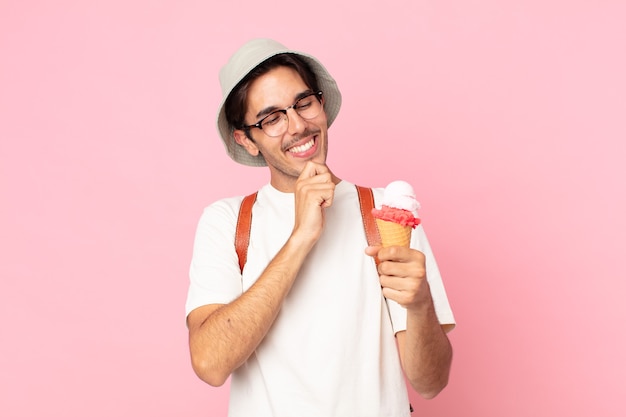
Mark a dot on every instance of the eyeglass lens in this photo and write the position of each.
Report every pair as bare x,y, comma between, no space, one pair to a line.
308,107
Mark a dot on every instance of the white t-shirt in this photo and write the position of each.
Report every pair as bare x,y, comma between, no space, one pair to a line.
331,350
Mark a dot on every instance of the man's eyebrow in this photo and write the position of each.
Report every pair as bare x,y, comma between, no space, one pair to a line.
272,109
265,112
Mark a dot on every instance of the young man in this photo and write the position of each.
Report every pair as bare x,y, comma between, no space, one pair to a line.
310,326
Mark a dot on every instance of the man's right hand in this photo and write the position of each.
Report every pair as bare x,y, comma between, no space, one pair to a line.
314,193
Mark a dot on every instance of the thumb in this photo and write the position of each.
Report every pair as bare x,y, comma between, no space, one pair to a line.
372,250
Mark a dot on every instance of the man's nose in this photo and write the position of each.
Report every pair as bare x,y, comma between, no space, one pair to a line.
296,122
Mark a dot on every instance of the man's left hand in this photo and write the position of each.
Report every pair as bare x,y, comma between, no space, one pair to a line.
402,273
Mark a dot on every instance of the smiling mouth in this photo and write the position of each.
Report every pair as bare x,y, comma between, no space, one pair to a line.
302,148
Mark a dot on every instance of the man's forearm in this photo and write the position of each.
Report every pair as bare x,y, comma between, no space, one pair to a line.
223,340
426,351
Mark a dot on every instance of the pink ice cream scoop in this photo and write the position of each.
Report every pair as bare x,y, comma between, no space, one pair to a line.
397,215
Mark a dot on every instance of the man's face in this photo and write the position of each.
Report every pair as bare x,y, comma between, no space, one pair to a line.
304,139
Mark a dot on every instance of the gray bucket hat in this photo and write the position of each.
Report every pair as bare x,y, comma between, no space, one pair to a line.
245,60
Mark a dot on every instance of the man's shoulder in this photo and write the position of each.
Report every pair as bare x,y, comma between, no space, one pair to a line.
377,191
224,208
234,201
230,205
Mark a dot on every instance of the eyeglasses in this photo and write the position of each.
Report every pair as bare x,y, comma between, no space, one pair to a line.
276,123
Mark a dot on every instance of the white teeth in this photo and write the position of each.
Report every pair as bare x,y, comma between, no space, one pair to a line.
302,148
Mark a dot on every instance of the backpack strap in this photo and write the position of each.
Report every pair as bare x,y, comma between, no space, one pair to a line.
244,223
366,202
242,232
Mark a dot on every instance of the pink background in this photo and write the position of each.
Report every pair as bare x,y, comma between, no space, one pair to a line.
508,117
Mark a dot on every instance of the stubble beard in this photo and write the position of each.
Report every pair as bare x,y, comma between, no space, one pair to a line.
283,168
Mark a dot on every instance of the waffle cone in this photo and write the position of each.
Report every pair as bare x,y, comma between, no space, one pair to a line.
393,234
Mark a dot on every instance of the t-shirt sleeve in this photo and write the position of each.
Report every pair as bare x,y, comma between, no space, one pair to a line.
214,275
419,241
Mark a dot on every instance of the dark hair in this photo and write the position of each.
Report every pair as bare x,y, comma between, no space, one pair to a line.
235,105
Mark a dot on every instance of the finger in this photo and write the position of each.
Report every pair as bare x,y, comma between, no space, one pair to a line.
328,197
324,178
393,253
400,297
311,169
393,274
399,283
319,194
373,250
307,184
400,254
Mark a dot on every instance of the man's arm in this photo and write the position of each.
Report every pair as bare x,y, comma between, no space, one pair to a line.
426,354
223,336
425,351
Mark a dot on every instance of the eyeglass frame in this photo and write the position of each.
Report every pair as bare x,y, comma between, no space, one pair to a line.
318,95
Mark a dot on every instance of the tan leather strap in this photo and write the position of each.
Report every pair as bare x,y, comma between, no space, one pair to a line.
366,201
244,223
242,232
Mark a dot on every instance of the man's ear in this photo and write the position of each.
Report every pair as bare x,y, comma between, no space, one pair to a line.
246,142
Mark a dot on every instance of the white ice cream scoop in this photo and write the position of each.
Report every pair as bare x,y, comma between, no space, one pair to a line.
400,194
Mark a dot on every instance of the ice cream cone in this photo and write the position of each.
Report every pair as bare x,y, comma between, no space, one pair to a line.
393,234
